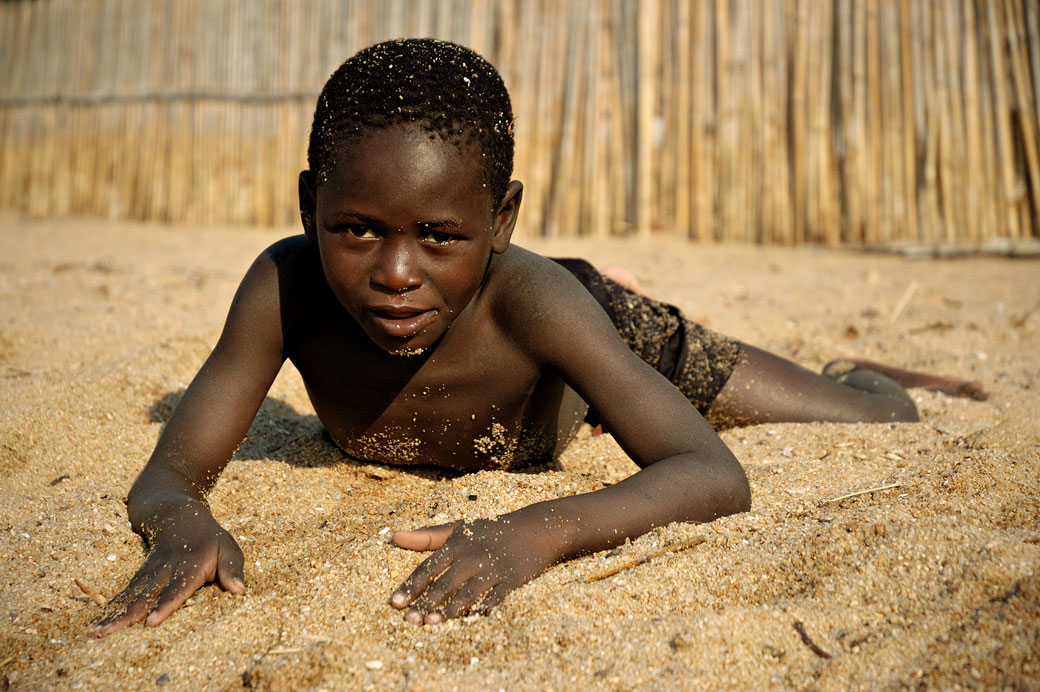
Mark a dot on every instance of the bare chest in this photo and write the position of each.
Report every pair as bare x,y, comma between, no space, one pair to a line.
460,408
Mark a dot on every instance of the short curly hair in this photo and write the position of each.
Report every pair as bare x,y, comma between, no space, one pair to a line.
448,89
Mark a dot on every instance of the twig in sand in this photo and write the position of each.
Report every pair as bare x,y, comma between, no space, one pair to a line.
7,660
862,492
285,650
813,646
635,562
901,305
91,593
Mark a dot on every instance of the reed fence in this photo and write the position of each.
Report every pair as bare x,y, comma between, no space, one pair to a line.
862,122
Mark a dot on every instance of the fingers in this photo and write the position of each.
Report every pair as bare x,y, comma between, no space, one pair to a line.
426,538
454,593
123,610
132,604
420,578
180,587
494,597
159,587
476,596
464,600
230,570
444,587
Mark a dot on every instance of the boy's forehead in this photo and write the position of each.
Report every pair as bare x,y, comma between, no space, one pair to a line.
414,136
400,158
410,149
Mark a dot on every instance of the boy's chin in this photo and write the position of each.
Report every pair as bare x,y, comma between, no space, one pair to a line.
420,344
407,351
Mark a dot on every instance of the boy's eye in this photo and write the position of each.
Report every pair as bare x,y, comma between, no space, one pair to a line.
360,231
439,237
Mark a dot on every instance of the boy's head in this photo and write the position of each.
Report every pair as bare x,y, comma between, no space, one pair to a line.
445,88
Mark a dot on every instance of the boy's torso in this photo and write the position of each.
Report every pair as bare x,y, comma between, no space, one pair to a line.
476,400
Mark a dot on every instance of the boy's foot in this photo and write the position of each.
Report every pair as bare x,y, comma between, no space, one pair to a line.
953,386
623,277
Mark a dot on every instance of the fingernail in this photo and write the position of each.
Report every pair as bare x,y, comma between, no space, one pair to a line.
434,619
414,617
398,600
238,585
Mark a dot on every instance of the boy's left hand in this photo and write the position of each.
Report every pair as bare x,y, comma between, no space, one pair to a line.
476,564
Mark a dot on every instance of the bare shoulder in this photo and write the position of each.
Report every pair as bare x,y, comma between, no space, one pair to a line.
541,305
257,308
288,255
279,269
526,284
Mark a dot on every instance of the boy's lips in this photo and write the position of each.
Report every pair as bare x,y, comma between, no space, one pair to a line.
401,322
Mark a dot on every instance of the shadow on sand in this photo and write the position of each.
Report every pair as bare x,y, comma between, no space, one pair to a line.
280,433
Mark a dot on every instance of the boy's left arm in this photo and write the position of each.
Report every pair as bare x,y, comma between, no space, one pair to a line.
687,474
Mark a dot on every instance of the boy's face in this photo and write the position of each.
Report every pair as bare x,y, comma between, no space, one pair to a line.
406,229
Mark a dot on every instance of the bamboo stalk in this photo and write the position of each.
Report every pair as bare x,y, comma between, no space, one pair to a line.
929,126
618,165
681,191
646,94
1026,106
799,125
594,213
702,178
950,134
978,202
830,208
1033,43
850,124
874,125
1002,116
745,123
892,212
908,134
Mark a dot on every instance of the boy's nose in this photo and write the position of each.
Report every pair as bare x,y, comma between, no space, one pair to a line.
397,271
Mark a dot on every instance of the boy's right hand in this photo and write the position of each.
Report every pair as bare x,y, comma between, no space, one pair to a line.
188,549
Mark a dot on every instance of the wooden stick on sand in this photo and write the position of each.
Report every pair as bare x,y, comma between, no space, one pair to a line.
91,593
862,492
636,561
800,629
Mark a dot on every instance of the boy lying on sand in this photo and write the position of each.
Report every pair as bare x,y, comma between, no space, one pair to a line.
423,336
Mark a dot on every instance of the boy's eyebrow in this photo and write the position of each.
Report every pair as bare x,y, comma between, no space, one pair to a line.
442,223
344,217
348,217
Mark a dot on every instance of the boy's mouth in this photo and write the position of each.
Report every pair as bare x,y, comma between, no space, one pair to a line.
401,322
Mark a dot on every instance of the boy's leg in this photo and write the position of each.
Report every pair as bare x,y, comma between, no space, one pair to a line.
696,360
765,388
954,386
736,384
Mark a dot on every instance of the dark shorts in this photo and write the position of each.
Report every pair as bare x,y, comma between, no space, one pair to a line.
695,359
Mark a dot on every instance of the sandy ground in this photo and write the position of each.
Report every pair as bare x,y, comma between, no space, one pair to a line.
934,582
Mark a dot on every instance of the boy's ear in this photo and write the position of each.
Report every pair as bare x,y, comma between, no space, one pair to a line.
505,216
308,204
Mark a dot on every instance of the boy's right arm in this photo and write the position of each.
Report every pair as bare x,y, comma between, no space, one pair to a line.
186,546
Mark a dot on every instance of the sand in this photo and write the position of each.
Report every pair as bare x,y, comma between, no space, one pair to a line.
931,582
